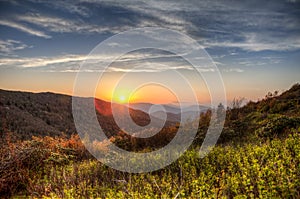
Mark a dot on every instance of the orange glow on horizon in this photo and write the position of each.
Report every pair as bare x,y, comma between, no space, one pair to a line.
63,83
110,88
155,94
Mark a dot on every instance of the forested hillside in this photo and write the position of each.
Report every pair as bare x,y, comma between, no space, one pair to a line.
25,114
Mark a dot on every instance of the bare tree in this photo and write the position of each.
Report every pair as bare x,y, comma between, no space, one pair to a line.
237,102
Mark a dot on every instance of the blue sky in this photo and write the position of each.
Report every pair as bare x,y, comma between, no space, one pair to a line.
255,44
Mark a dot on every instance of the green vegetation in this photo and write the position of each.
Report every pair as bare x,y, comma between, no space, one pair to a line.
258,156
51,170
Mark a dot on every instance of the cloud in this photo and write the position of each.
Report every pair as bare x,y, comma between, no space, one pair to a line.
60,25
24,28
164,14
245,26
218,63
136,62
40,61
256,43
242,25
137,15
258,60
237,70
68,6
53,24
8,47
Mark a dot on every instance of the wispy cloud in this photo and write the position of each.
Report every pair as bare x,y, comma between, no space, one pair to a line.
67,6
255,42
139,16
60,25
244,26
33,62
258,61
24,28
237,70
8,47
239,26
138,62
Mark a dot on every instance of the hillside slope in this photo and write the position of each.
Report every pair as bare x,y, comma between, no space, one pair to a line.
274,116
28,114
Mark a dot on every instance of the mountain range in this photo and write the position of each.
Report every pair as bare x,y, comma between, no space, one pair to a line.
27,114
174,113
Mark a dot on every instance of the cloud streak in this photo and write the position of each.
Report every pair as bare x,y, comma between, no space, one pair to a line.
215,24
256,43
137,62
7,47
236,70
60,25
24,28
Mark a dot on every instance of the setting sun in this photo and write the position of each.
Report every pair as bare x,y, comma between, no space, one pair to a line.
122,98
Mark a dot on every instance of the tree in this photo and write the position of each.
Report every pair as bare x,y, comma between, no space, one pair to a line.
237,102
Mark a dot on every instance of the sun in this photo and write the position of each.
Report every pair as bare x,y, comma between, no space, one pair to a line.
122,98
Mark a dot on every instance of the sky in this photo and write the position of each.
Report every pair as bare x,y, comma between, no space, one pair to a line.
254,44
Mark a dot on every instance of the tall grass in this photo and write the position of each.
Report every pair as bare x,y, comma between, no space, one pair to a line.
60,168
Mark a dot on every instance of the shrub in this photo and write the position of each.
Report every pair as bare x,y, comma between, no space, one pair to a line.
21,162
277,125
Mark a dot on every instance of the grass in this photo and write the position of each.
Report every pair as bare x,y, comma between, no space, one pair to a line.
254,170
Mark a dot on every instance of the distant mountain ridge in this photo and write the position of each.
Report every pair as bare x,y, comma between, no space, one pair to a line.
28,114
145,107
169,108
173,112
